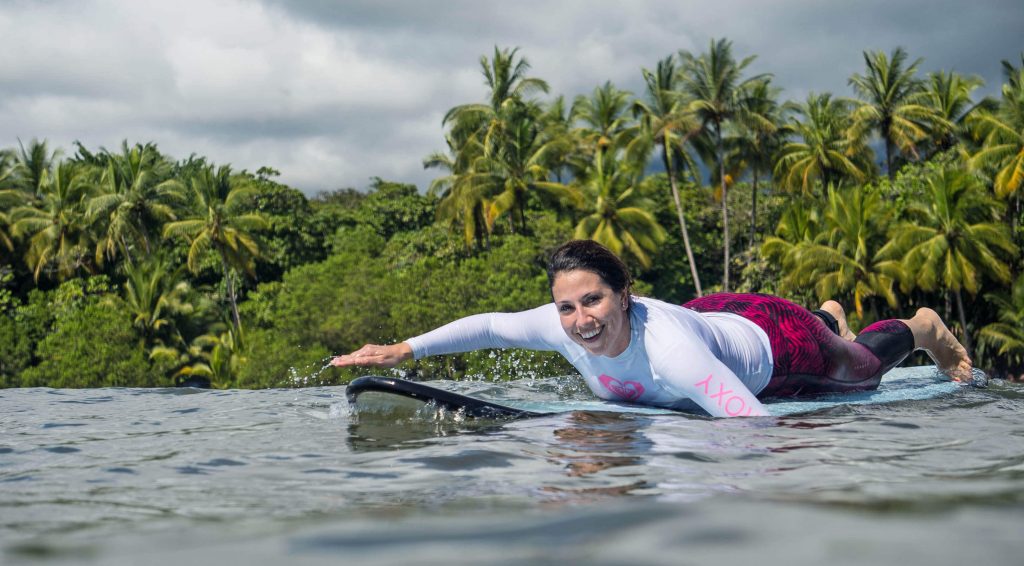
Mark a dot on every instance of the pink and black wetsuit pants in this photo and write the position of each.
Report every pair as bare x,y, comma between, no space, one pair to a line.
809,357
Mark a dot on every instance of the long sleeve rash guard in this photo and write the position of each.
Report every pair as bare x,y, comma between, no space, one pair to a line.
675,356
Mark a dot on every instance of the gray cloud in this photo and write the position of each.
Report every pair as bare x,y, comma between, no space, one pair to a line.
334,93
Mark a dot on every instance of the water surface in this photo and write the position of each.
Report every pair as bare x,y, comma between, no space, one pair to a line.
163,476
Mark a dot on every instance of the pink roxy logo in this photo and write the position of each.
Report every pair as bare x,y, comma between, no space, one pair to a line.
628,390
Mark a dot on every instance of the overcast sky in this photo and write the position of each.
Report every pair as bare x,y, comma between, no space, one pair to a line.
334,93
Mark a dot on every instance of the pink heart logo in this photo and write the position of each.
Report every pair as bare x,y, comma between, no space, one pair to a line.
628,390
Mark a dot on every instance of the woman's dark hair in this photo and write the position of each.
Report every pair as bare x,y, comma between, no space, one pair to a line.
591,256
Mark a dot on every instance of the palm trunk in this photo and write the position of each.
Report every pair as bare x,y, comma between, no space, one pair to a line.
963,323
127,256
230,281
888,159
753,211
682,220
725,207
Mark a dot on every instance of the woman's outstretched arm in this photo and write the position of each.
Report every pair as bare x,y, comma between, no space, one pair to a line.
535,329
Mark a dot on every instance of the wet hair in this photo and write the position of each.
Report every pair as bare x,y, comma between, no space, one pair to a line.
591,256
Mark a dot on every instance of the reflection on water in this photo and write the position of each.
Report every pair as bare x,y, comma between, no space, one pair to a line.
594,442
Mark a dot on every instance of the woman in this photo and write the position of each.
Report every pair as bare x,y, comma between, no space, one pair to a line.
723,351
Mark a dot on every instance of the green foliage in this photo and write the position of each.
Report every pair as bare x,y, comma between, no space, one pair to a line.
292,236
366,294
95,346
1006,335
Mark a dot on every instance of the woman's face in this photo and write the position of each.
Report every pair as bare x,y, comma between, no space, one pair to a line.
592,314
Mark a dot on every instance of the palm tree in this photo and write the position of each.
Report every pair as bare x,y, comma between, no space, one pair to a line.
606,118
842,259
219,222
215,357
509,86
823,151
514,152
800,223
948,95
1007,335
618,213
569,155
717,93
667,125
55,224
953,238
517,167
1002,135
462,199
892,104
9,197
34,164
138,197
154,292
758,139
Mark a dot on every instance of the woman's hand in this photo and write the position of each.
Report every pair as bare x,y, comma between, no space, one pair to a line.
376,356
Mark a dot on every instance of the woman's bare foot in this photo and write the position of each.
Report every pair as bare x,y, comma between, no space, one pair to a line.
836,310
932,336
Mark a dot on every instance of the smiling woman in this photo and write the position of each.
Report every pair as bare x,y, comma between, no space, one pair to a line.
723,352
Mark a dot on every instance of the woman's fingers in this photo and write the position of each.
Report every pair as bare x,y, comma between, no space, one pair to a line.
374,355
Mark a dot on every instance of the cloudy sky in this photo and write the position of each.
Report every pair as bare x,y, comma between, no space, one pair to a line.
334,93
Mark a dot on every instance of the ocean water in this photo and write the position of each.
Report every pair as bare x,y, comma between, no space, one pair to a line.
166,476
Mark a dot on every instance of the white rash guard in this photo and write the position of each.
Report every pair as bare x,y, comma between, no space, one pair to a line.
718,360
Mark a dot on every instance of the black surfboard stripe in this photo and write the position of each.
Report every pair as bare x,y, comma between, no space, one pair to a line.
453,401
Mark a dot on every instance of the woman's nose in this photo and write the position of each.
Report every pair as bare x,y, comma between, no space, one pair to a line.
583,318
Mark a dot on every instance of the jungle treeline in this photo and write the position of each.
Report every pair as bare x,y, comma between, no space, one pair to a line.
128,267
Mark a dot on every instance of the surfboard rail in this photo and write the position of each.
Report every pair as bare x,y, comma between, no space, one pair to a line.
470,406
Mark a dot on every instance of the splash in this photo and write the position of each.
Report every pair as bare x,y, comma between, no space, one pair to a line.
307,376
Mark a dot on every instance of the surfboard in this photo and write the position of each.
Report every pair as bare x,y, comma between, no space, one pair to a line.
379,393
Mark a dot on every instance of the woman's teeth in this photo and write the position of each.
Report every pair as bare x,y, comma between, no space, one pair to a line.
587,335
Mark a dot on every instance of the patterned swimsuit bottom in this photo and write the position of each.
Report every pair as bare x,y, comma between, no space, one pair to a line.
809,357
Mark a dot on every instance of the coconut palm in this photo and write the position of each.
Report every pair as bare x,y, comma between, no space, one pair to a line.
716,93
462,200
154,292
1007,334
214,357
1002,135
33,165
666,124
509,86
55,225
218,221
891,104
800,222
759,137
841,259
617,212
949,97
822,152
517,167
953,239
514,152
605,117
138,197
9,197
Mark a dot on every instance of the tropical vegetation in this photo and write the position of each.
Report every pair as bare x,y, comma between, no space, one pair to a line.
129,267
